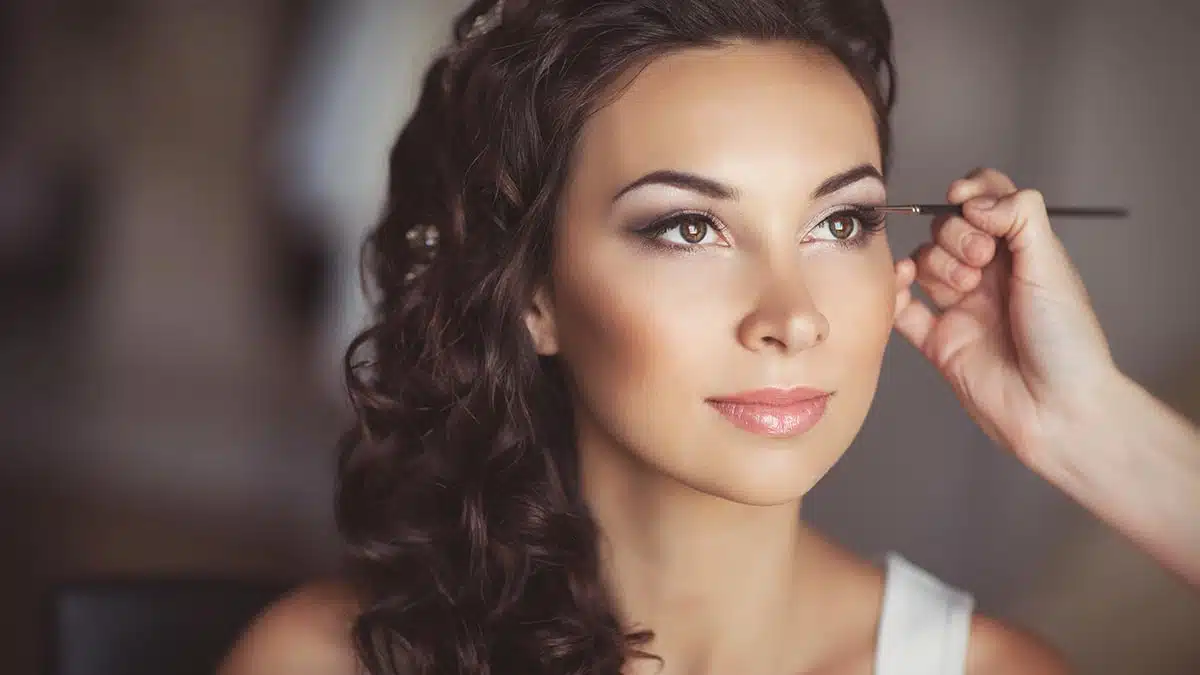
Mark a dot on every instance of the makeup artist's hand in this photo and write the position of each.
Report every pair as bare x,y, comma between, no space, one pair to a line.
1015,335
1013,330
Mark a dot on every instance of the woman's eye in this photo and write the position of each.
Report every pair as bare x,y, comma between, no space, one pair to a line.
689,229
840,227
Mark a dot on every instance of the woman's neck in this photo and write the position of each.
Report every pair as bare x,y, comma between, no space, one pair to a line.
714,580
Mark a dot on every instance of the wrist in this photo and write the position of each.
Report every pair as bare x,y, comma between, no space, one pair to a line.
1090,417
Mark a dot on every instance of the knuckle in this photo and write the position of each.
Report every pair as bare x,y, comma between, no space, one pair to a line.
998,177
998,181
1031,198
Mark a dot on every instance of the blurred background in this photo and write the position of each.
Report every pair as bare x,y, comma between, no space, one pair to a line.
184,187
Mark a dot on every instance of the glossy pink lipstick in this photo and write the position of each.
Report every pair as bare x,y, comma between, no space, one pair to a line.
779,413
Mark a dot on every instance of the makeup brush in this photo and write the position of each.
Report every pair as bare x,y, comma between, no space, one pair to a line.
956,209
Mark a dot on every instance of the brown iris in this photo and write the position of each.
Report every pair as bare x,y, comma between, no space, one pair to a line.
693,230
842,226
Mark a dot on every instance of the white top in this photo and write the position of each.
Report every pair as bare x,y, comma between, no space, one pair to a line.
924,623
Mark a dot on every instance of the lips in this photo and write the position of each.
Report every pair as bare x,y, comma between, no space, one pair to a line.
777,413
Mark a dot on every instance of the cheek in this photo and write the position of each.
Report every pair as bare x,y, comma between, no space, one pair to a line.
857,296
624,328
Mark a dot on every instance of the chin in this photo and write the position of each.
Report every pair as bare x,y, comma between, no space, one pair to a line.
770,482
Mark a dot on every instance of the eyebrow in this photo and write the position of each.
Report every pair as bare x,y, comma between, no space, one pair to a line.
718,190
847,178
684,181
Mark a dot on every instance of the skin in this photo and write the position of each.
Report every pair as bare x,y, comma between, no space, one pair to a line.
701,536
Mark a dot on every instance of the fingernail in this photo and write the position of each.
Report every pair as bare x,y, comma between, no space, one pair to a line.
962,277
976,247
984,203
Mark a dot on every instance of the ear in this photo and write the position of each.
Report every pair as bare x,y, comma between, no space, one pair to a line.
541,322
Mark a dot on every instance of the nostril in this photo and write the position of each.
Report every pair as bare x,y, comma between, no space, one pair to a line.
773,342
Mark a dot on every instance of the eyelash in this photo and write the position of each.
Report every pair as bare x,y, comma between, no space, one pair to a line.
656,229
870,222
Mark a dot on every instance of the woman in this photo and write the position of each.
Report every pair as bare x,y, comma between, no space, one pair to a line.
632,305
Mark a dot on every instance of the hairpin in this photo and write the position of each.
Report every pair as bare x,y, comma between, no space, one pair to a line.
486,22
423,240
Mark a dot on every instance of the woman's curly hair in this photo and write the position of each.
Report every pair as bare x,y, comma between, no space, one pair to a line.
457,494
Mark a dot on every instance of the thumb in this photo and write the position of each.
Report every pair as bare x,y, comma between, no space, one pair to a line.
1052,312
1020,219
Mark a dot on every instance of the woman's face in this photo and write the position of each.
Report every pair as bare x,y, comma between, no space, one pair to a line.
672,299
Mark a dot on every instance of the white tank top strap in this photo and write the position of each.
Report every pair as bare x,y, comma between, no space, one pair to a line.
924,623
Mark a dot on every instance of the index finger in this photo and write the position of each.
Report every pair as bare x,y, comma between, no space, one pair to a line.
980,182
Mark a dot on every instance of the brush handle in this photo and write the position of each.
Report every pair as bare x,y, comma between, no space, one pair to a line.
1053,211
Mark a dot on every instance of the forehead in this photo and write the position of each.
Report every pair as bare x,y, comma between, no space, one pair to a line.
743,112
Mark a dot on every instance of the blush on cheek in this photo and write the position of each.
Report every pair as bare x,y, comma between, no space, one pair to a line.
599,336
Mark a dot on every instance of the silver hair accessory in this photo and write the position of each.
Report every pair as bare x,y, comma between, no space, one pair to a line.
486,22
422,237
423,240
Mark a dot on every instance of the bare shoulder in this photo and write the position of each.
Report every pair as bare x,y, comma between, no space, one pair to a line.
307,632
856,587
998,649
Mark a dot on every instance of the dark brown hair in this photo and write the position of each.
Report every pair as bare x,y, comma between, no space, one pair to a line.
457,495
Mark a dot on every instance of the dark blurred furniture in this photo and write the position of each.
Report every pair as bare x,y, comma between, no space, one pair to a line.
160,627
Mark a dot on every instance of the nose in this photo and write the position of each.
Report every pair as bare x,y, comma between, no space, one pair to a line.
784,318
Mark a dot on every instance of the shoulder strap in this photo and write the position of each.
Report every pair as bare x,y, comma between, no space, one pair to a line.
924,624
